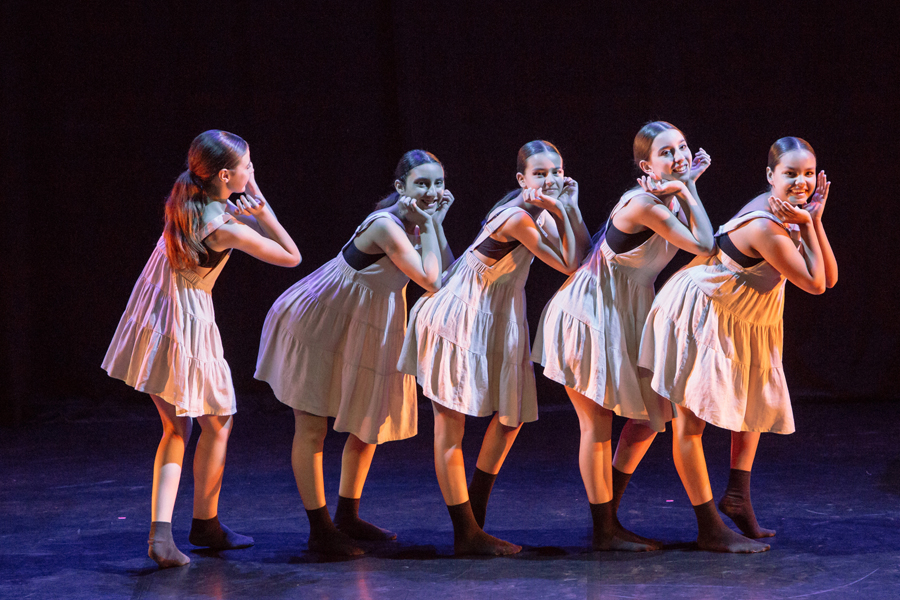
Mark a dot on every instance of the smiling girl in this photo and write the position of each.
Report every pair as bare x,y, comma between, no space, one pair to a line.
468,343
330,345
167,343
590,331
712,344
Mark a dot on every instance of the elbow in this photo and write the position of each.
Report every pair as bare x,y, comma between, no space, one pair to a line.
818,290
710,249
432,287
294,261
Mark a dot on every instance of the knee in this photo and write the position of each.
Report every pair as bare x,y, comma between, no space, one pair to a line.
310,429
177,430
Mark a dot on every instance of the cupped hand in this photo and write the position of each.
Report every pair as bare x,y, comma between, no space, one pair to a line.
410,211
816,204
443,206
660,187
569,193
250,205
700,163
536,197
787,212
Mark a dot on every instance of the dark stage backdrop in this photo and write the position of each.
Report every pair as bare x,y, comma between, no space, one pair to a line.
101,100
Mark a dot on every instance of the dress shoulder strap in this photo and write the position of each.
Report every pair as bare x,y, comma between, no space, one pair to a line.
214,224
750,216
374,217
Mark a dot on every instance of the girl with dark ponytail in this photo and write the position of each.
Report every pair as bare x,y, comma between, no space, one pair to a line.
167,343
712,343
467,344
590,331
330,344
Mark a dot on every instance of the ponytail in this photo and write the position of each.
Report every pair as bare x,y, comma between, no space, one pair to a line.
184,211
210,152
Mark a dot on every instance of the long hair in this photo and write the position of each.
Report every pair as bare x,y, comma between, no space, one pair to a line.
525,152
210,152
408,162
785,145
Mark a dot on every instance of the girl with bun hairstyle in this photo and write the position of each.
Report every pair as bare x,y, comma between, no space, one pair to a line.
712,344
468,344
590,331
330,346
167,343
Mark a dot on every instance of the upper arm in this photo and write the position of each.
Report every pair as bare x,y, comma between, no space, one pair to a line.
241,236
523,228
391,238
653,215
777,248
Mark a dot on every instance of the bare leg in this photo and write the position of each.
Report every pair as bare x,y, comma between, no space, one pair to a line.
634,442
595,449
736,502
449,427
306,460
498,439
595,463
166,477
209,468
169,458
468,537
355,463
690,462
209,464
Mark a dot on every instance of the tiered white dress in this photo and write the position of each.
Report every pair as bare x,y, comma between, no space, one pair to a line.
590,332
467,344
330,346
713,341
167,342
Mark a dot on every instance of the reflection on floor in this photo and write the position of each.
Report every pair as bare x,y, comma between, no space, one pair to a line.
75,495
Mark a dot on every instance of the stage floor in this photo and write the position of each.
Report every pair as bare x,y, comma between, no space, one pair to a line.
75,506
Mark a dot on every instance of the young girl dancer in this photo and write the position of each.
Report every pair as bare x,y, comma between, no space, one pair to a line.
589,333
330,346
167,343
467,344
713,339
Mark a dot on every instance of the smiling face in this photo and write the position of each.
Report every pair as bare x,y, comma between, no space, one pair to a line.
425,184
235,179
670,157
543,170
794,177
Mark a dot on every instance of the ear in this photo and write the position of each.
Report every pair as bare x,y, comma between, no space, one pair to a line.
521,179
398,185
645,167
769,175
224,175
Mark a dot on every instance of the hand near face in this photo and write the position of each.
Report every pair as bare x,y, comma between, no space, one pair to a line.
411,212
816,204
536,197
700,163
660,187
569,193
250,205
787,212
443,206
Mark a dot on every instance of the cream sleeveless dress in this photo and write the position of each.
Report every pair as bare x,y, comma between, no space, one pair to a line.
590,331
713,341
167,342
330,345
467,344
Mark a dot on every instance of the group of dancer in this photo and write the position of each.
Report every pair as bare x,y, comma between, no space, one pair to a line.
336,344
